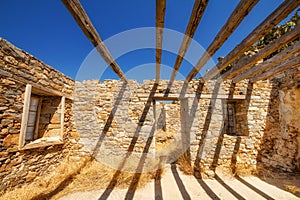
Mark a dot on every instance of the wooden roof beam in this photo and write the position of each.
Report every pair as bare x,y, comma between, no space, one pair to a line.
236,17
274,18
80,16
286,64
246,62
275,60
196,15
160,19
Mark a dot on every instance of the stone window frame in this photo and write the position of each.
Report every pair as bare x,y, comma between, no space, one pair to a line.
231,117
39,142
233,130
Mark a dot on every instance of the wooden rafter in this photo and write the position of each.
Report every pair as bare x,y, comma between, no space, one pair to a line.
160,18
196,15
80,16
275,60
247,62
274,18
286,64
236,17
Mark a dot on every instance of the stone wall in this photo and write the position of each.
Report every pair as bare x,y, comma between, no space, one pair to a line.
121,117
281,141
19,165
127,125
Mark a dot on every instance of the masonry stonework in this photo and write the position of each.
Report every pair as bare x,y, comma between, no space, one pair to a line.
135,127
281,141
17,69
122,117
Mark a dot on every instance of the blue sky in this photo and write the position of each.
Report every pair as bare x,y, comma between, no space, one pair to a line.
46,29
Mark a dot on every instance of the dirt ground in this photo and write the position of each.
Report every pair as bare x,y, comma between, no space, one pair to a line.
175,185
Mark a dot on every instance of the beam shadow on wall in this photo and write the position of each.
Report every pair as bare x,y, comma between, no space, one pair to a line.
196,166
236,149
68,180
207,121
272,127
237,144
222,131
219,141
233,161
135,179
191,115
110,118
272,136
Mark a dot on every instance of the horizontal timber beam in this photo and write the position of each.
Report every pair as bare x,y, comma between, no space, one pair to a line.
80,16
236,17
247,62
286,64
274,18
276,59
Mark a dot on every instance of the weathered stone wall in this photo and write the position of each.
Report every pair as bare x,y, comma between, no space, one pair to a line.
18,68
125,126
281,141
120,118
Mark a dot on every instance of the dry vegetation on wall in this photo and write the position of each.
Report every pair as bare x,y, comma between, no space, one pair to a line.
276,32
75,175
185,165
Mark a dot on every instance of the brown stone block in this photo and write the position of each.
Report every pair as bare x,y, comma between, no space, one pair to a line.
2,168
6,122
57,87
51,133
77,146
30,176
53,126
4,131
75,135
24,66
7,82
11,60
2,108
11,139
55,119
43,82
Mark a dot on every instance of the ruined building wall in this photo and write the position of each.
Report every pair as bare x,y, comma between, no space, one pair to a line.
121,117
127,125
21,164
281,141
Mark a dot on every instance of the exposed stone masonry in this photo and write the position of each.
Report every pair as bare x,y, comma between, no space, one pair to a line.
132,120
281,141
128,125
18,68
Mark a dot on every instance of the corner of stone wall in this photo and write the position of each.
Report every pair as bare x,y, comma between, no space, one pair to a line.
18,68
280,145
